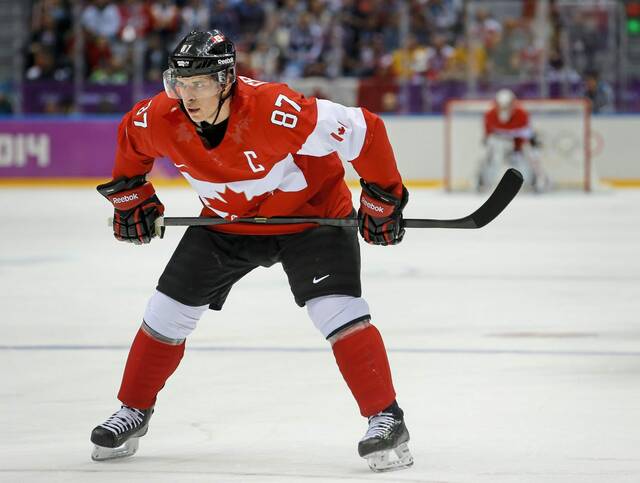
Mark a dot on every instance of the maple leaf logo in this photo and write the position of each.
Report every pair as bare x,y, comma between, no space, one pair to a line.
230,204
183,134
341,130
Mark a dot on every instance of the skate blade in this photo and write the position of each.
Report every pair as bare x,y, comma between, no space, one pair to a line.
129,448
390,460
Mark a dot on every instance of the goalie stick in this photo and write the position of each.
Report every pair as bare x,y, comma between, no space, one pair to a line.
506,190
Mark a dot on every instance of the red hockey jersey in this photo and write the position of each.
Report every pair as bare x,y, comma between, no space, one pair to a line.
517,127
281,155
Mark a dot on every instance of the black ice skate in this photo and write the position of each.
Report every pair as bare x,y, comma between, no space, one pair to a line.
118,436
384,446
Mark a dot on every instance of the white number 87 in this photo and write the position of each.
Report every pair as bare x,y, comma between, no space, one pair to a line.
285,119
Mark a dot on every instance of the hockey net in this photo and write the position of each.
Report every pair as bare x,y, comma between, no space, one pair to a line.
562,127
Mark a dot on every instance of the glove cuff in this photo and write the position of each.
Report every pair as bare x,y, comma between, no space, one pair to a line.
376,202
126,200
127,193
375,207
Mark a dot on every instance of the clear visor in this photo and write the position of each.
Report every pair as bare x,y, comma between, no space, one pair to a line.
195,87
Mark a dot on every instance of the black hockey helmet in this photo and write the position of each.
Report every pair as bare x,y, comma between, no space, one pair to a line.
199,53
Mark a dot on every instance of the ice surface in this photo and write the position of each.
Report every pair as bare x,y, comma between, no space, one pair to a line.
515,350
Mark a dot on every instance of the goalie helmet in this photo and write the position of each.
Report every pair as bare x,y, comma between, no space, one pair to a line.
505,101
201,53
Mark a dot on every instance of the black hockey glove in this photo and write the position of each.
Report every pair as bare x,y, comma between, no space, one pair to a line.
380,215
136,208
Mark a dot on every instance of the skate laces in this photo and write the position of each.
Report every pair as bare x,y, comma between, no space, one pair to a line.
380,424
123,420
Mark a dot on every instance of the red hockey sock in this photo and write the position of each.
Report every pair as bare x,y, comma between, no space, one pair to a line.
149,365
362,360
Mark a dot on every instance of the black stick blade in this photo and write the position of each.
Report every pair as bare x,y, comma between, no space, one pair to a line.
506,190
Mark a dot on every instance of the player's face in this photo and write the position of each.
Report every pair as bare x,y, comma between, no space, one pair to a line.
200,95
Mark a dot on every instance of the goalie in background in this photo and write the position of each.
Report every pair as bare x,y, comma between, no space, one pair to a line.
510,141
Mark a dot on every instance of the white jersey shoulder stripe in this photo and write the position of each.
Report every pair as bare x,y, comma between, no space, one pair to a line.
338,129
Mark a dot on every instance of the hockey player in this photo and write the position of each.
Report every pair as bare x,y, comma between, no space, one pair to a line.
251,148
510,141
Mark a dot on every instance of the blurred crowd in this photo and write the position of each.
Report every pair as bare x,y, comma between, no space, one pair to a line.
275,38
288,39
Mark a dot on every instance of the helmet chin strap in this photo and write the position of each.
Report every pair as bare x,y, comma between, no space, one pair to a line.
220,103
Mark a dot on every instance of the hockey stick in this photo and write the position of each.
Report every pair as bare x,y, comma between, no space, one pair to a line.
506,190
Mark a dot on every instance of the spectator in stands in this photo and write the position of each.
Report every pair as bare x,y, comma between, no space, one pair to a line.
101,18
410,61
135,20
155,58
349,25
419,25
194,16
439,54
390,30
251,20
165,18
559,71
265,60
444,15
225,18
322,12
374,60
498,55
59,10
43,67
98,50
598,92
466,60
51,30
485,26
304,55
47,35
6,107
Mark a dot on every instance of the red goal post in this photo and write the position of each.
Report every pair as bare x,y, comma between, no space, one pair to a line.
563,127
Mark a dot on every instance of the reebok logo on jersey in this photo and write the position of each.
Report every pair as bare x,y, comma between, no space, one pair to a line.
318,280
125,198
371,206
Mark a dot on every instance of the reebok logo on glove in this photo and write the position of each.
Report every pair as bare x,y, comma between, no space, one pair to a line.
119,193
371,206
125,198
374,207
